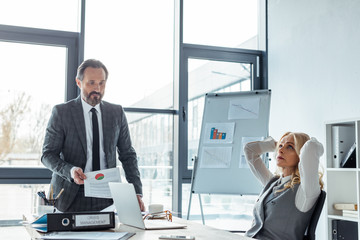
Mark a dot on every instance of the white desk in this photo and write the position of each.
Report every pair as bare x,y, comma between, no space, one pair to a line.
201,232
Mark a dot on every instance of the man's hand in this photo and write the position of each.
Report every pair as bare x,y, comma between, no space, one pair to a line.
141,203
79,176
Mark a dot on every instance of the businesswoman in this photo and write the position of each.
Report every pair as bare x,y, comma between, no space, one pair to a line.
285,205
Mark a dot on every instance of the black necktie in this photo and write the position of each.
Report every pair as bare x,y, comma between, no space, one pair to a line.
95,150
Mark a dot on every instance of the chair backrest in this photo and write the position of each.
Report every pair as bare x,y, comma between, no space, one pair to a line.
310,233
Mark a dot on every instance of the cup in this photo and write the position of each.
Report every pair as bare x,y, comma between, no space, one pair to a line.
155,208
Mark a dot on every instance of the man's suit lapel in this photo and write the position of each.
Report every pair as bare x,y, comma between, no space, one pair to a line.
106,115
78,116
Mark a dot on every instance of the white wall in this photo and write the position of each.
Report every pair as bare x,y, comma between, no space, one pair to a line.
314,66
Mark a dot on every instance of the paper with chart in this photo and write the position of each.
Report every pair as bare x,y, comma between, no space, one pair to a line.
219,133
247,108
96,183
215,157
244,140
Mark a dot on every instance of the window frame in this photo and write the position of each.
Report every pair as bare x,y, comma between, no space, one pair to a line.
258,59
69,40
216,54
74,42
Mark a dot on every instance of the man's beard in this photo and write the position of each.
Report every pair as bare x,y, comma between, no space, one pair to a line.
93,100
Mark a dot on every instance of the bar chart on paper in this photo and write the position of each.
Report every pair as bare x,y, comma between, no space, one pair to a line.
215,134
219,133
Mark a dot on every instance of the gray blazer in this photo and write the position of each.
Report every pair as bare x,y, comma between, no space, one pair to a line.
65,146
276,215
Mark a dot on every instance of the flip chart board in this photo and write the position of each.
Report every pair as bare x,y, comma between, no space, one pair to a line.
230,120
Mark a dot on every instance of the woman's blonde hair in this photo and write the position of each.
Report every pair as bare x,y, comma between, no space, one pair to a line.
299,140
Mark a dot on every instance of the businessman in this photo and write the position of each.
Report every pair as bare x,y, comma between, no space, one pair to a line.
84,135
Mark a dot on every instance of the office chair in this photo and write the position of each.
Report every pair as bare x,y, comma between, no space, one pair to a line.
310,232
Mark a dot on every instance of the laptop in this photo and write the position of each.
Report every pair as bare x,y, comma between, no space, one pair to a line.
128,209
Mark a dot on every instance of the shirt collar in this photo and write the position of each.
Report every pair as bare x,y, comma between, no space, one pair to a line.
87,107
285,179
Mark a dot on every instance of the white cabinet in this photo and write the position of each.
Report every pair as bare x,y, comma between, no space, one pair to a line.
342,184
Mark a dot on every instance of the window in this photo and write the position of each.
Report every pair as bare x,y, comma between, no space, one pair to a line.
19,199
134,39
208,70
211,70
152,138
223,23
39,68
229,212
208,76
160,66
25,107
56,14
219,52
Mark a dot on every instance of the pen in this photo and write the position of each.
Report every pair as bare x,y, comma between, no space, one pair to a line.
42,195
61,191
51,192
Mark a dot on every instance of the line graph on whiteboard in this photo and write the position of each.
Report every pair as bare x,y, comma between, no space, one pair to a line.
247,108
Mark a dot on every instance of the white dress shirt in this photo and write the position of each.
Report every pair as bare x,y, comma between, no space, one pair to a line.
89,137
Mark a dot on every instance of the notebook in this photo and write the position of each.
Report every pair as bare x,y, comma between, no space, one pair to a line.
128,209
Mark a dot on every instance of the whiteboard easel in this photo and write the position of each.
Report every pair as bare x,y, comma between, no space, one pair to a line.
220,167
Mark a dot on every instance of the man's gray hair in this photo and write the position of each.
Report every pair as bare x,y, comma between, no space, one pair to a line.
90,63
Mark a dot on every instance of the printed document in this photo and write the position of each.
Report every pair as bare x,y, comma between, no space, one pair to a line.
216,157
96,183
85,235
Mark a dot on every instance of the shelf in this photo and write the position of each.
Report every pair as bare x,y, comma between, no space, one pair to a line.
342,218
342,184
342,122
342,169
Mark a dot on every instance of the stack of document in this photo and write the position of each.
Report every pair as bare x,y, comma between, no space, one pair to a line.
350,213
89,235
349,210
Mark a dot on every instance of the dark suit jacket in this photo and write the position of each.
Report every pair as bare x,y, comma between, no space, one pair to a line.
65,146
